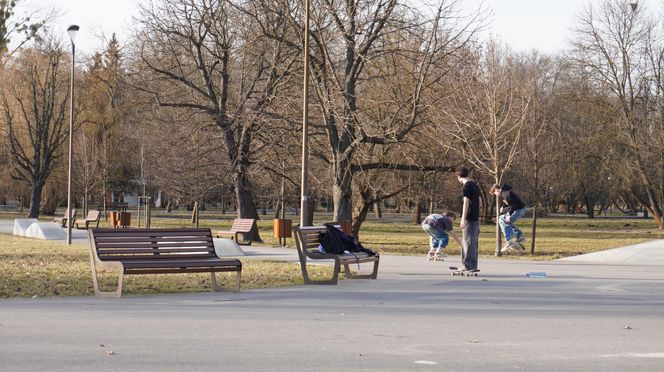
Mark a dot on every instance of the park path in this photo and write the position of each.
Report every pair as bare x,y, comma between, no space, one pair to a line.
582,316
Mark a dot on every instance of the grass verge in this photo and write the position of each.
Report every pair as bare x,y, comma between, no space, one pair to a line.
33,267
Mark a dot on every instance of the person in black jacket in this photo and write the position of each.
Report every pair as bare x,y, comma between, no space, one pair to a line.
513,210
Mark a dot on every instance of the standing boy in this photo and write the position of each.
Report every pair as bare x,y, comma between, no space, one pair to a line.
470,220
513,210
438,227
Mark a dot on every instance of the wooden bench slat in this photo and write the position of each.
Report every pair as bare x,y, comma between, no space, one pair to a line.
171,238
183,263
162,257
218,269
156,245
110,250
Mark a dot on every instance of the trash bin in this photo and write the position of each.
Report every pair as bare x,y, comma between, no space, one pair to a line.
124,219
114,219
283,228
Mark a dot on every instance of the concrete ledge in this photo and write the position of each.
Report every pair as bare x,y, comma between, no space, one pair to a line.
224,247
46,231
22,224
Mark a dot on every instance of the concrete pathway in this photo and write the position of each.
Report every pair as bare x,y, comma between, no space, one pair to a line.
581,317
648,253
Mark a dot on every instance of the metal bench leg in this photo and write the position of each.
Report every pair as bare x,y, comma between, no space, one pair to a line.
213,279
242,241
217,288
238,279
373,275
333,281
115,294
95,282
349,275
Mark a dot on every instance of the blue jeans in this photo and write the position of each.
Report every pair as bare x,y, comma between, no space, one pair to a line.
508,228
470,239
437,237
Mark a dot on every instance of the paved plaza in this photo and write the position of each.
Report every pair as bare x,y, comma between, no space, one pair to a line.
586,315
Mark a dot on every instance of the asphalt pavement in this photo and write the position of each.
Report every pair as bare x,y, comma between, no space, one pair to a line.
583,316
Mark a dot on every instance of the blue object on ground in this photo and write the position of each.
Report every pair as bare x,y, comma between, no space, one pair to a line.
536,274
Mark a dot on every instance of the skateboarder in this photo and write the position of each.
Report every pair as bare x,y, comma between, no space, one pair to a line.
470,219
513,210
438,227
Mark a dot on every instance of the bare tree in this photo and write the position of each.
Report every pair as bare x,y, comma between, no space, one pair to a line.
34,105
370,57
619,46
487,114
107,108
538,152
202,55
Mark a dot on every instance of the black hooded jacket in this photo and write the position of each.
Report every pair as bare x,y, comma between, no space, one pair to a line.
513,200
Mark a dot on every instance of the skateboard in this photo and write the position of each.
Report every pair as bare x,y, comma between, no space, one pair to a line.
466,273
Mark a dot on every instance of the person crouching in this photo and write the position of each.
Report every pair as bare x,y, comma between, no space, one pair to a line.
438,227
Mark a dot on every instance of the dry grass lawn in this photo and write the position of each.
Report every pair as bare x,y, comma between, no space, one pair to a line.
32,267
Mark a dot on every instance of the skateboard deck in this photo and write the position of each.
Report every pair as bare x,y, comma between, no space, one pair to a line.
455,271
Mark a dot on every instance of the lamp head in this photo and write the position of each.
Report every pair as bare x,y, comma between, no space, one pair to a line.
634,4
72,31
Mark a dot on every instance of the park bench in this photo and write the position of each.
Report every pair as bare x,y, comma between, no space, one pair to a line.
240,226
157,251
63,220
307,240
92,217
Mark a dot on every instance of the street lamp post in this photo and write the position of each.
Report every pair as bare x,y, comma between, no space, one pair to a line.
72,30
304,197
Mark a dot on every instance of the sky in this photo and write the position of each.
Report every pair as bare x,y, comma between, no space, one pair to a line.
545,25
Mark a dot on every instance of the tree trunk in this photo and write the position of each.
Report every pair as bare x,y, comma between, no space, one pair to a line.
245,202
417,217
35,199
499,240
590,206
51,201
361,212
309,217
534,231
85,201
103,197
653,205
342,196
277,208
378,210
